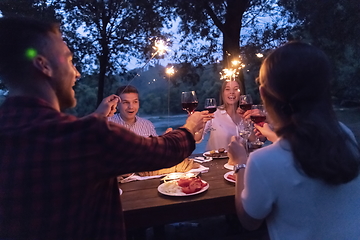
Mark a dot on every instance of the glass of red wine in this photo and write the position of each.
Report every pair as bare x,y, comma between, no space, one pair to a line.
189,101
258,116
245,102
210,105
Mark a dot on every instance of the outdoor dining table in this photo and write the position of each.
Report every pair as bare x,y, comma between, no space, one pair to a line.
144,206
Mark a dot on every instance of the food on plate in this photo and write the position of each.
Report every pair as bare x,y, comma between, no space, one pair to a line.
171,188
191,185
184,185
184,166
231,177
217,153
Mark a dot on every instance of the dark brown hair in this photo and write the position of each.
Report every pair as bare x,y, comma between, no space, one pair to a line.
295,82
126,89
21,40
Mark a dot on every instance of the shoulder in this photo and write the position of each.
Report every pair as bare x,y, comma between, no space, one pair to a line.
144,121
270,157
115,118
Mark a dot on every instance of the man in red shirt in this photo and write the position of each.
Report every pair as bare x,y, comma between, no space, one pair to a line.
58,172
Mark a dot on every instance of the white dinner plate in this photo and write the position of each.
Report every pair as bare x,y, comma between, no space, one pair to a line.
170,189
208,152
229,166
226,176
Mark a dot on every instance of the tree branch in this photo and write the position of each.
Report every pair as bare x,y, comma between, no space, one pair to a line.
213,17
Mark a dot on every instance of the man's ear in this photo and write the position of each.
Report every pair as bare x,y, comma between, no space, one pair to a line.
43,65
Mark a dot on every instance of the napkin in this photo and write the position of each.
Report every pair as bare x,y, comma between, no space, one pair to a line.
135,177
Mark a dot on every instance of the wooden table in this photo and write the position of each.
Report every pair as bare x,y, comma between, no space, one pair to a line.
144,206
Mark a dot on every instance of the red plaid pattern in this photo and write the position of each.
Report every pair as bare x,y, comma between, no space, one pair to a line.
58,172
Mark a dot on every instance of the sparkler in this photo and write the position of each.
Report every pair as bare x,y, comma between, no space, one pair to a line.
160,48
229,74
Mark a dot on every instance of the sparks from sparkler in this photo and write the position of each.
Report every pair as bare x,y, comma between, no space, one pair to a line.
160,47
229,74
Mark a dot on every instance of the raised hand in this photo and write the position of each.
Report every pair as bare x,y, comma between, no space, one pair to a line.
266,131
108,105
236,150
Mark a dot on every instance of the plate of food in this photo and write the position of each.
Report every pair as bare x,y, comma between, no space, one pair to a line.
229,176
220,153
183,187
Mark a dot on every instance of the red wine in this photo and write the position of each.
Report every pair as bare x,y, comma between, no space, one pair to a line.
189,107
246,106
258,118
211,109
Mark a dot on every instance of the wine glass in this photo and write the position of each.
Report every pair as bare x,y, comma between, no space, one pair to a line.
189,101
245,102
258,116
210,105
244,129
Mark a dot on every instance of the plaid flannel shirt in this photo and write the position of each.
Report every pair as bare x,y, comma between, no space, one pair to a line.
58,172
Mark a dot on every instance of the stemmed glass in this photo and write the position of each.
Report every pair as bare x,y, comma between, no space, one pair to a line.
210,105
244,129
189,101
258,116
245,102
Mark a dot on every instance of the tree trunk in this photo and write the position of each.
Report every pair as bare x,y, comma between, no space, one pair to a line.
231,35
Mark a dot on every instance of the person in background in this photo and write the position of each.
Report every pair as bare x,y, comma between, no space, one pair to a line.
306,185
226,118
58,172
128,109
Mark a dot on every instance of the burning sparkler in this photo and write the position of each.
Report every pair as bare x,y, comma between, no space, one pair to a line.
229,74
160,47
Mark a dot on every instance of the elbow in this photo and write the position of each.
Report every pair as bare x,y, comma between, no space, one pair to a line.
248,222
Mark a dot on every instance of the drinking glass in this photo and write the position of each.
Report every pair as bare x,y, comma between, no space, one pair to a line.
244,129
189,101
245,102
210,105
258,116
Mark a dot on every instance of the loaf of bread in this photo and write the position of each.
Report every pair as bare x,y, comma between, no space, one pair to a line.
184,166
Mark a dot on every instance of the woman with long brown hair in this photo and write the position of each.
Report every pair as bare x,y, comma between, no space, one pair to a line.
306,185
226,118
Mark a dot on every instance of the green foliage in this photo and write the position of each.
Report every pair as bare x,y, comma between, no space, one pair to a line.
333,26
40,9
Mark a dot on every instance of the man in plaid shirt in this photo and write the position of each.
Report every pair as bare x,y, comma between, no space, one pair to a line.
58,172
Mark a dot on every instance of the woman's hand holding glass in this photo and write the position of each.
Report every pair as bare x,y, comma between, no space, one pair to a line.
236,151
265,131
